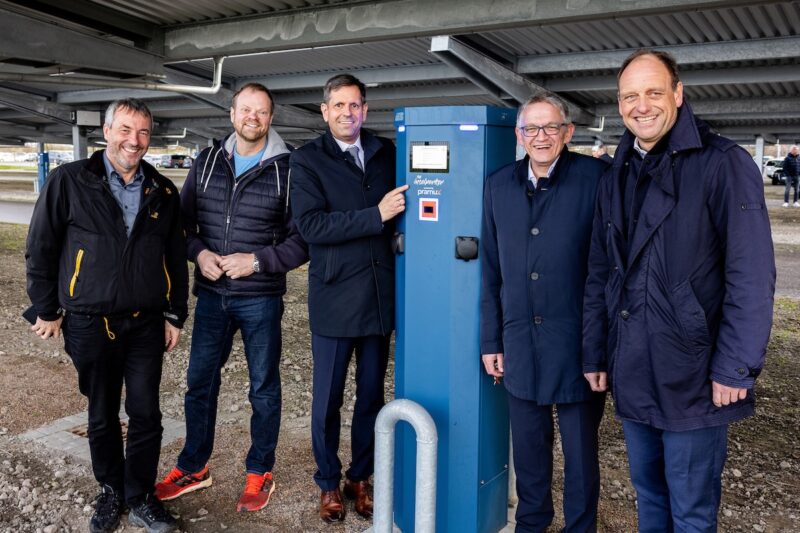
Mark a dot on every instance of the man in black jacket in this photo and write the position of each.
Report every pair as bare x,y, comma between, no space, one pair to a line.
344,199
106,261
241,235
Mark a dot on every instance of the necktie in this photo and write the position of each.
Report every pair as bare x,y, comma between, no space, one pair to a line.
353,151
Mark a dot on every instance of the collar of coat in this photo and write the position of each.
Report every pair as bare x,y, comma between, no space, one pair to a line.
686,134
561,168
96,174
369,143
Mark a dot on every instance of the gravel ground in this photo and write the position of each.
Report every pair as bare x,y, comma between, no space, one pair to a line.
43,492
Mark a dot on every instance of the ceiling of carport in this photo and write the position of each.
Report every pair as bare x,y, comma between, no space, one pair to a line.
740,60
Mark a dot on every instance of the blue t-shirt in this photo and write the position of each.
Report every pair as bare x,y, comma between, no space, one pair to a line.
243,163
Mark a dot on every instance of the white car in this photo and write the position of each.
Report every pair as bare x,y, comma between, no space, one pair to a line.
769,166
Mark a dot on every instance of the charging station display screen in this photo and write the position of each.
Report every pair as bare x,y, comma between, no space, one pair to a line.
430,156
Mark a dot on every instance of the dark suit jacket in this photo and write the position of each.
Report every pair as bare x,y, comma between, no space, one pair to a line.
534,252
351,275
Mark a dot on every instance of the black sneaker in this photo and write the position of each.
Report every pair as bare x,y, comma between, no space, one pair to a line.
107,510
151,515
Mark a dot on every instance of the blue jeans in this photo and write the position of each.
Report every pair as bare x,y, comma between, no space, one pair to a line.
216,320
677,476
791,183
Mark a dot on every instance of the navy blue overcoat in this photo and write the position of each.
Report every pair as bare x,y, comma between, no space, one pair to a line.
533,249
335,204
691,300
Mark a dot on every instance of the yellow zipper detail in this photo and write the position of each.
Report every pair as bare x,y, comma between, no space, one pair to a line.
74,279
110,333
166,273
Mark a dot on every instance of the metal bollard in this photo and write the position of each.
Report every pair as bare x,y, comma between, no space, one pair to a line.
427,439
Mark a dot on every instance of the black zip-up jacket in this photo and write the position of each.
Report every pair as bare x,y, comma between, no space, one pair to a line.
80,258
248,214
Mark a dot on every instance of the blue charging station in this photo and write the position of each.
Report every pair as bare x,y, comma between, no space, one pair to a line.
444,154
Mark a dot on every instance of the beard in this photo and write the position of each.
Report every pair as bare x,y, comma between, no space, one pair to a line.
251,134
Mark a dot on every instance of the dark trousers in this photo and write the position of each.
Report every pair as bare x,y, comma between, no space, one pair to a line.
217,318
677,476
532,437
125,350
331,359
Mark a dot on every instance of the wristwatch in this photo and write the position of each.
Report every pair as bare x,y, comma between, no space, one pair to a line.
256,265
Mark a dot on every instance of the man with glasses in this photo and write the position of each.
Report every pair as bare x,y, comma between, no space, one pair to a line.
534,246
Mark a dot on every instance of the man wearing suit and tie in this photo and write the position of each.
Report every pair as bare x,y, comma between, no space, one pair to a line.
345,201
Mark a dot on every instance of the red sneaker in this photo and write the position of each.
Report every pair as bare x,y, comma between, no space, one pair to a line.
179,482
257,490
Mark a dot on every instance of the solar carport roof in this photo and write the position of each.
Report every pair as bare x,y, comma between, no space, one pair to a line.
740,60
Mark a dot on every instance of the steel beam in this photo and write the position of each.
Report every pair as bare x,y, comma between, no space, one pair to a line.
721,76
27,38
738,133
284,114
774,107
12,130
415,73
790,131
37,106
483,71
97,16
398,19
109,95
390,93
747,50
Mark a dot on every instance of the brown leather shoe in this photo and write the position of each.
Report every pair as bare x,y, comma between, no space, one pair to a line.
330,506
359,491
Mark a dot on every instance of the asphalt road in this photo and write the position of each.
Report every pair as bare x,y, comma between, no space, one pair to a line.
16,212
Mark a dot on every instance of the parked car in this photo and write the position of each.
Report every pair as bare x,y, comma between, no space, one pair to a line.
777,176
175,161
154,160
769,167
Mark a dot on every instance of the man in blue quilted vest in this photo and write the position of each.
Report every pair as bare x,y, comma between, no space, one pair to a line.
240,234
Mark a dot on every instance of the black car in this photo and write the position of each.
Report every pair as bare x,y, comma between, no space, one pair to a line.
175,161
777,175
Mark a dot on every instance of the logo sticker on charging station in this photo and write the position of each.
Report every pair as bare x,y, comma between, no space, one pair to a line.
429,209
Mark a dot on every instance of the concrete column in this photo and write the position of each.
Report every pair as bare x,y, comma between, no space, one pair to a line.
760,153
79,143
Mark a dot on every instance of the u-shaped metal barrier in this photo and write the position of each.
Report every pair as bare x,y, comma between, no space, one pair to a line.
425,493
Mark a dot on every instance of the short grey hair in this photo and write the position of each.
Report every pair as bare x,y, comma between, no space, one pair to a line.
793,147
547,97
132,105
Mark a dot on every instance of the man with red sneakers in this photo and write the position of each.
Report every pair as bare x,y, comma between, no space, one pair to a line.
240,233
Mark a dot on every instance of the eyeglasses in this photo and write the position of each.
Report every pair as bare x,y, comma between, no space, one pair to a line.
532,130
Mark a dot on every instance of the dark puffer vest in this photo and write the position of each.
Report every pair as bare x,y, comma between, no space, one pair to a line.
248,214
